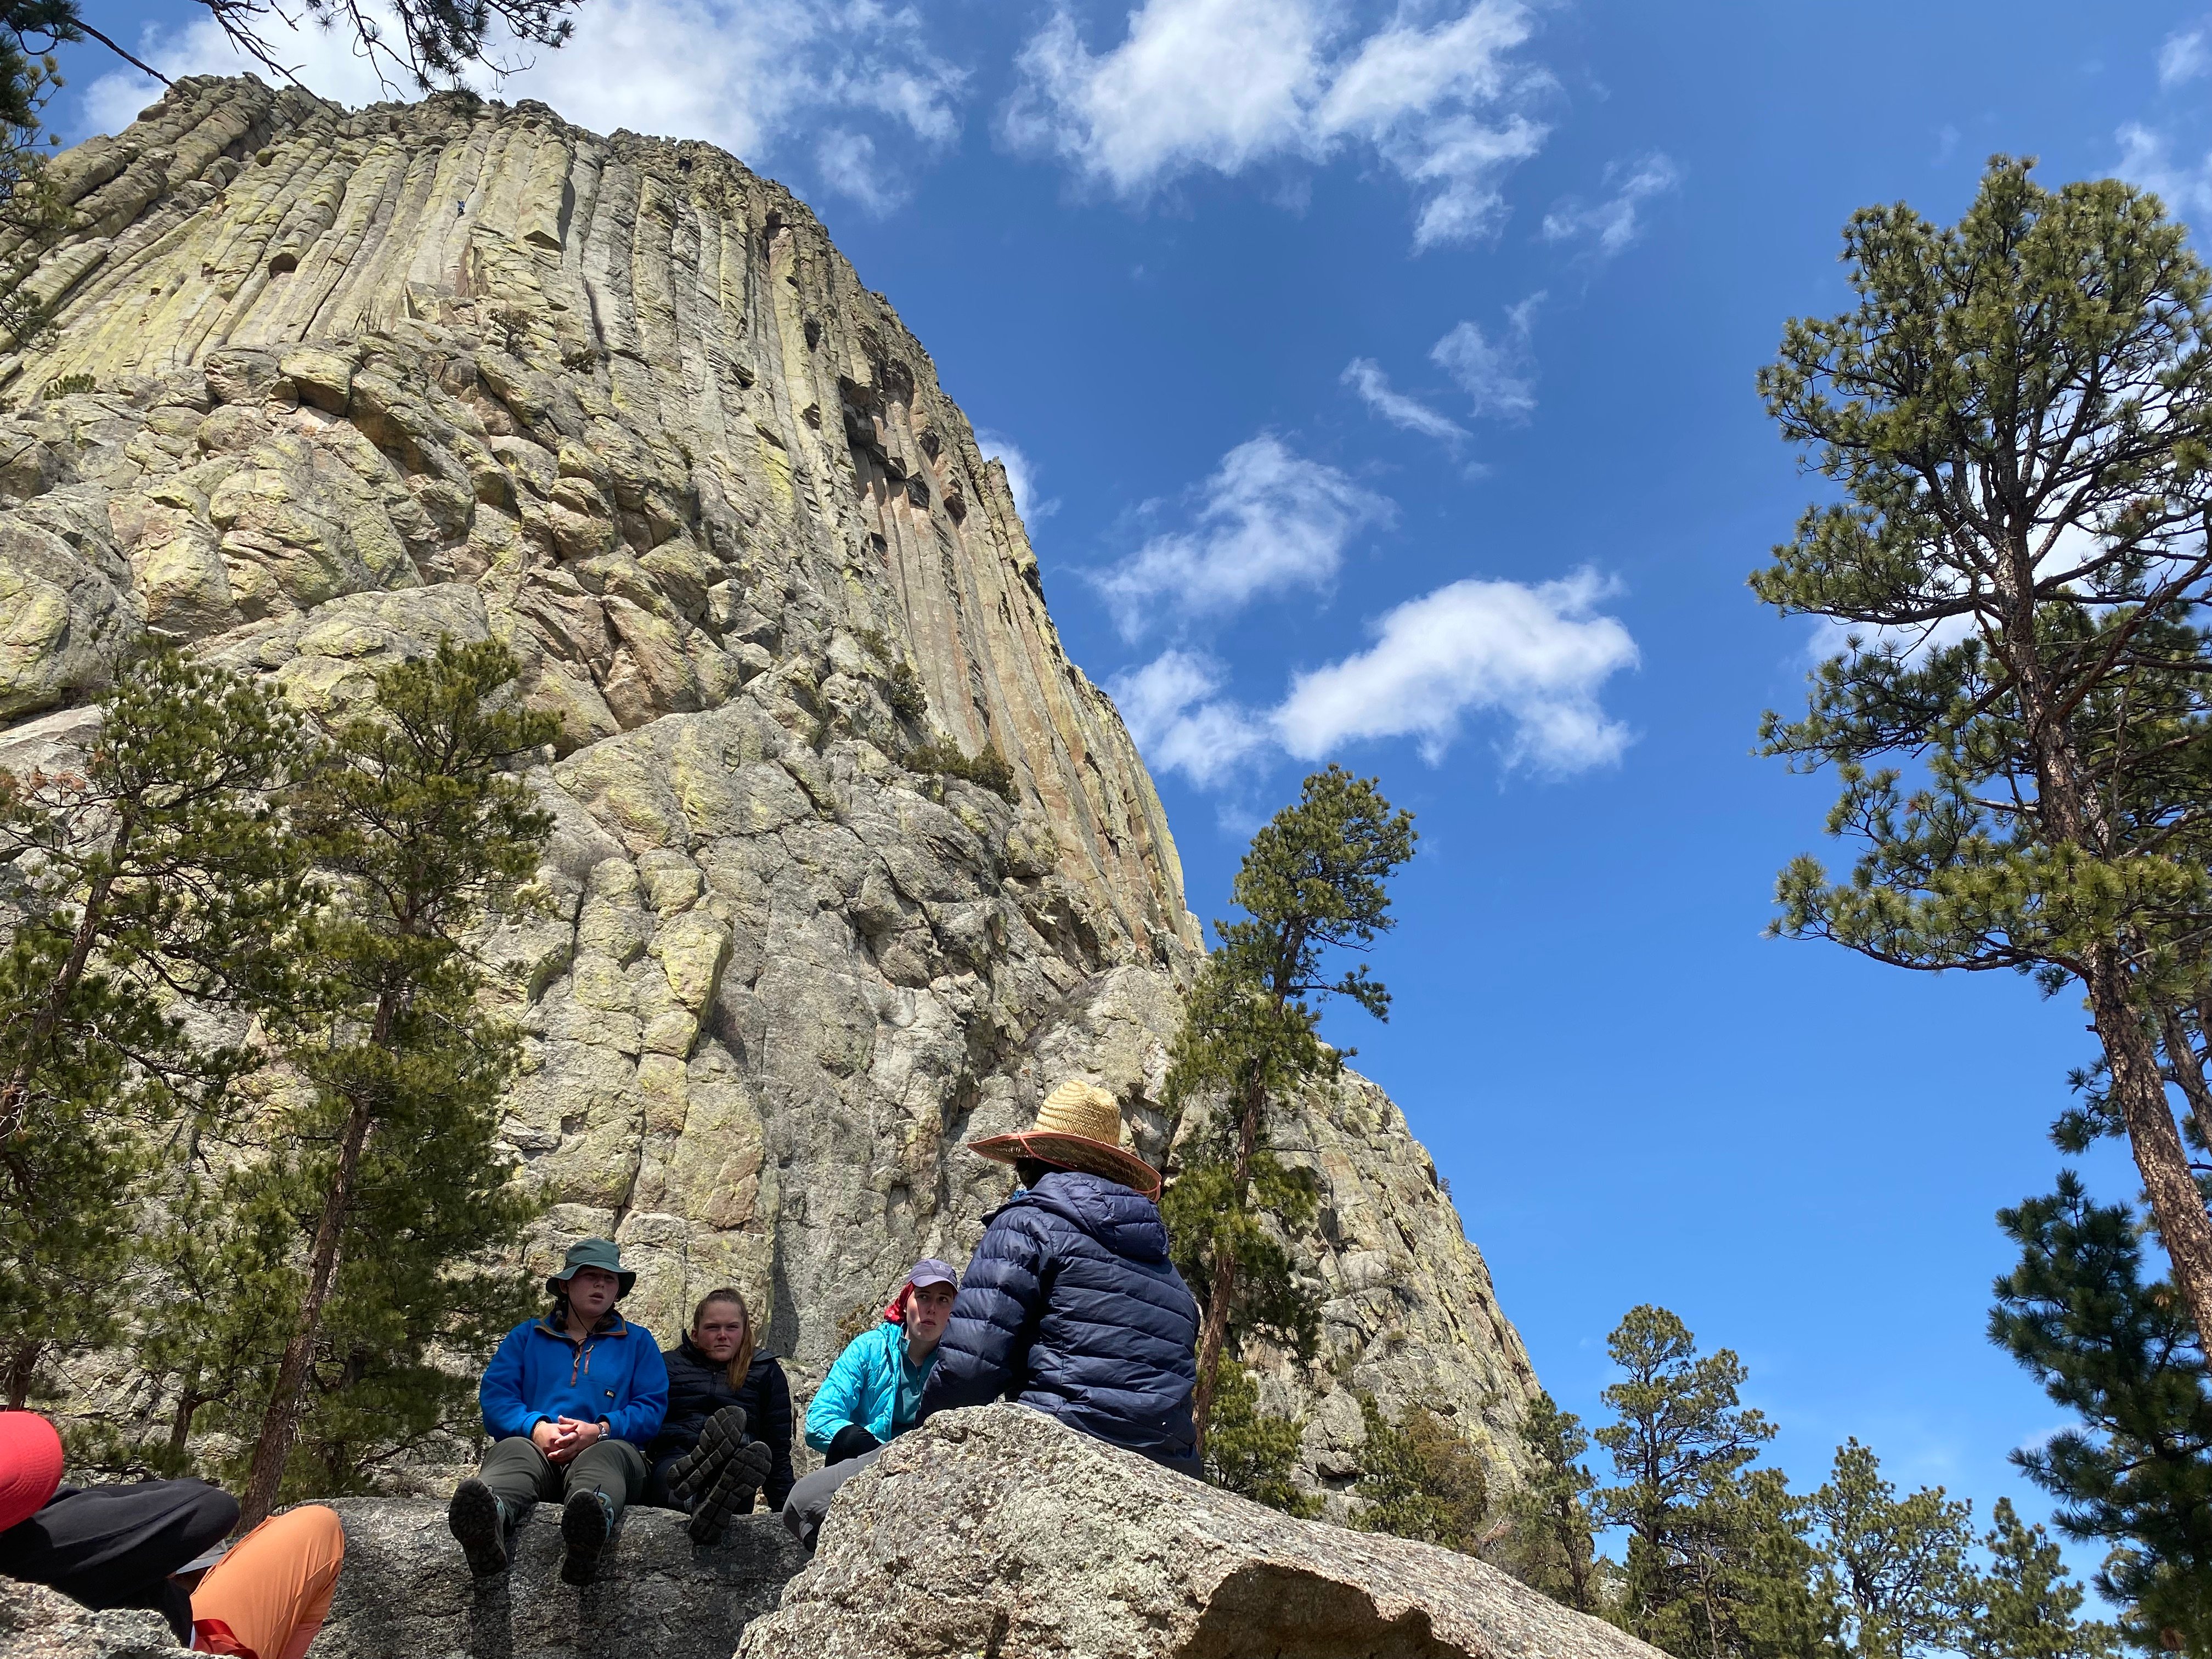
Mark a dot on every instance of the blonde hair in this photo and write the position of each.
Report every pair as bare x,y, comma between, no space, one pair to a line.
742,1361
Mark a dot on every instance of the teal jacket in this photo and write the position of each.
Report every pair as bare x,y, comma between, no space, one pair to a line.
873,1384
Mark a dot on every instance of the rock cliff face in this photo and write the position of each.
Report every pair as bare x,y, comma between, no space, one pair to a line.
327,384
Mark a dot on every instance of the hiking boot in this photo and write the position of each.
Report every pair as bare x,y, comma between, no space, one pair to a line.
693,1473
586,1521
478,1519
732,1493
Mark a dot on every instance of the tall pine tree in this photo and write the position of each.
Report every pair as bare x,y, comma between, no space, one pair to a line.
1315,882
425,834
156,878
2019,412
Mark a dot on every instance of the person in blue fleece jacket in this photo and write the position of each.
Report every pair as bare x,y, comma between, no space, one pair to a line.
570,1400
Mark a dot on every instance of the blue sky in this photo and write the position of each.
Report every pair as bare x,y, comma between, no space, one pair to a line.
1378,385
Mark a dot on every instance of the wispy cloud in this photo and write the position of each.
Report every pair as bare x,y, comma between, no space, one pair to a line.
1224,85
853,91
1267,522
2186,54
1537,656
1497,374
1365,376
2146,159
1181,722
1534,657
1611,225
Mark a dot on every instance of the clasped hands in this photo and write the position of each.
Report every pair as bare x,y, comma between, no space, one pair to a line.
561,1438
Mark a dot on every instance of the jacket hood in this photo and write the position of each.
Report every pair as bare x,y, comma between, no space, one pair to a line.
1125,1221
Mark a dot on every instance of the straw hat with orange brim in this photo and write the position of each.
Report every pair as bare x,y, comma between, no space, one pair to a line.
1077,1128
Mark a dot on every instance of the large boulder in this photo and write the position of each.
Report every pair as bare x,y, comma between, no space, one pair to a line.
407,1594
37,1623
999,1531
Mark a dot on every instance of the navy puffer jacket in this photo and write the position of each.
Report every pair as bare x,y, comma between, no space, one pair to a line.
1070,1304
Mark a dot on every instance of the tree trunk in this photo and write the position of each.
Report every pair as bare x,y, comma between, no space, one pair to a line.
1213,1333
18,1087
281,1419
1212,1336
22,1366
180,1425
2074,815
2177,1205
2188,1070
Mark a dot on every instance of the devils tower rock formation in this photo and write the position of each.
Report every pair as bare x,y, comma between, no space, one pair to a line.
360,378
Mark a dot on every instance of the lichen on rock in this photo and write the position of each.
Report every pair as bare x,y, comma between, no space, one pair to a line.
1001,1531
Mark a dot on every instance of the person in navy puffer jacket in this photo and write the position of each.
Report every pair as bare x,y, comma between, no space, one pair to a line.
1070,1303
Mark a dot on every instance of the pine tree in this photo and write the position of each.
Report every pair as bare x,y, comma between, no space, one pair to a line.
1418,1478
2020,413
2126,1357
1896,1567
425,834
1717,1561
1550,1542
2025,1605
1315,880
156,878
1254,1452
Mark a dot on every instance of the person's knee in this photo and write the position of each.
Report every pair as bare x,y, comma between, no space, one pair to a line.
212,1512
314,1532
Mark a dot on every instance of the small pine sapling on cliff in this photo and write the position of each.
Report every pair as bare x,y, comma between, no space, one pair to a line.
1419,1479
1315,880
1549,1543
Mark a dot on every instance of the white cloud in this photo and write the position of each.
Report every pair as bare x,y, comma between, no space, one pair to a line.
1613,224
2145,160
1365,376
775,82
1225,85
1180,724
1538,656
1021,474
2184,57
1267,522
1498,376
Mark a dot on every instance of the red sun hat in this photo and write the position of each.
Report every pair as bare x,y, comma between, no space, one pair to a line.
30,1466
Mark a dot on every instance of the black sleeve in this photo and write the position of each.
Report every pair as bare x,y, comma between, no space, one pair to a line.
775,1429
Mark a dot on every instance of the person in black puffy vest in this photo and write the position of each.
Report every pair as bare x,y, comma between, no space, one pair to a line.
728,1428
1070,1303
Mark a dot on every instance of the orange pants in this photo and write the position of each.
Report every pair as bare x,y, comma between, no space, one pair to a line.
273,1590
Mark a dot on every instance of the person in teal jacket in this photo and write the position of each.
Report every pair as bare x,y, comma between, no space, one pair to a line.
872,1392
570,1399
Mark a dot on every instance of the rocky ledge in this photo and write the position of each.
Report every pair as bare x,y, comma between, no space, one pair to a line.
991,1532
407,1594
999,1532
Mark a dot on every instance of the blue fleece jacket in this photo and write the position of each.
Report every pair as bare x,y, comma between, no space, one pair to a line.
872,1384
616,1375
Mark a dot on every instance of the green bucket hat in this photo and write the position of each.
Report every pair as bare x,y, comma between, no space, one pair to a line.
593,1253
